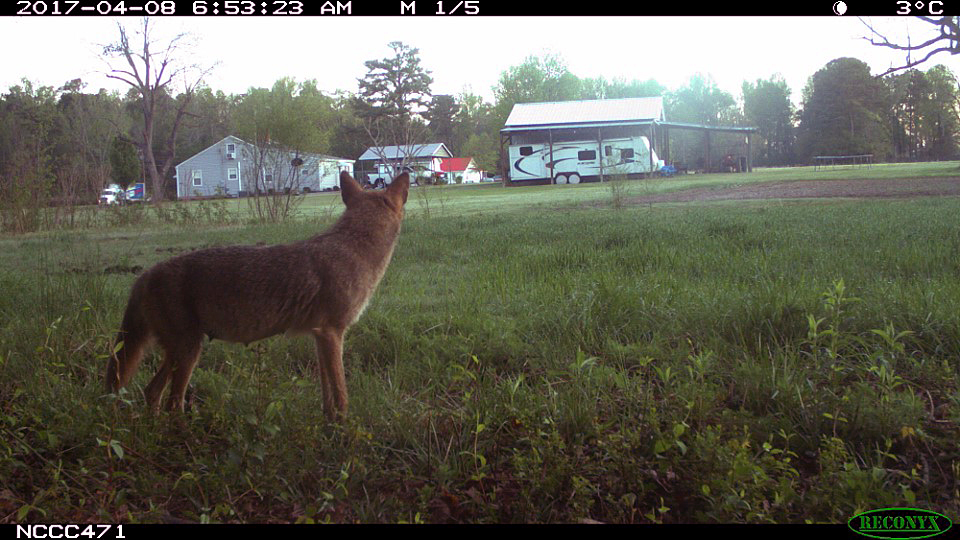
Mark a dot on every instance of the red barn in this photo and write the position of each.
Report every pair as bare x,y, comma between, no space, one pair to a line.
460,170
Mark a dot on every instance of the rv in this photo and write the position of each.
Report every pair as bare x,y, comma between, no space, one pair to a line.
571,161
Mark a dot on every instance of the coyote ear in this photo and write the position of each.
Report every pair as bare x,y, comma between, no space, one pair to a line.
349,188
400,186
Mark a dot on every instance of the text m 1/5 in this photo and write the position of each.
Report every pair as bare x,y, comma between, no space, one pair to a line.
465,7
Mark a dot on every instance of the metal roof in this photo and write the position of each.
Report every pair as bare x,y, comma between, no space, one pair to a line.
595,111
705,127
397,152
241,142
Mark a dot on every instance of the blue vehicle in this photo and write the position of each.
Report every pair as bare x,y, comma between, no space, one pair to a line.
114,194
667,171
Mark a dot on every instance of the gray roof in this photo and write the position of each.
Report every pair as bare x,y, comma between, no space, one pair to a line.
594,111
397,152
238,140
325,157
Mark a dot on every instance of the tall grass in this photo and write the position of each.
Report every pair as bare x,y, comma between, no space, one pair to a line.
540,363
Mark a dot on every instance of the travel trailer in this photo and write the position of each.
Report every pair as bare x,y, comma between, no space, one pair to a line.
571,161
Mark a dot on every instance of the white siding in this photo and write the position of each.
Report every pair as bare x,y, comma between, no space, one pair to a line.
226,168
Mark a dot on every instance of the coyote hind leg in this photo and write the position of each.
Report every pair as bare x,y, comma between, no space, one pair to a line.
330,359
179,360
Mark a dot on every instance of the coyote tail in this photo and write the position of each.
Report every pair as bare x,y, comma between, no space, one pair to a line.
128,347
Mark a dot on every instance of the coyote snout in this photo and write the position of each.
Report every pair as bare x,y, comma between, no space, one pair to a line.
247,293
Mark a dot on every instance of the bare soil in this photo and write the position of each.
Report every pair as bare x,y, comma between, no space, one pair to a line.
799,189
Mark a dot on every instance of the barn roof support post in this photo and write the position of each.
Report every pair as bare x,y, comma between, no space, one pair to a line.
505,159
706,166
553,177
666,144
650,153
600,151
749,154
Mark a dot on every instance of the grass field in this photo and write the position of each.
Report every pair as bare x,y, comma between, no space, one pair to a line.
532,355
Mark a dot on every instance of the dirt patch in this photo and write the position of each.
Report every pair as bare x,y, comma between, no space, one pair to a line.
123,269
799,189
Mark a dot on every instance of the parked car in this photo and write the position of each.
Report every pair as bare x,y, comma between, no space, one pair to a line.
114,194
110,195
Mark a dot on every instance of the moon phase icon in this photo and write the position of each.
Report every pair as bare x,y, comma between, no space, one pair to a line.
839,7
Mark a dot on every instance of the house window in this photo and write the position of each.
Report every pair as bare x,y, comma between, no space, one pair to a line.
231,174
197,178
231,148
268,178
587,155
526,150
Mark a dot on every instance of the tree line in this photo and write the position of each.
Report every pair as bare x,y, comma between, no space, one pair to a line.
59,146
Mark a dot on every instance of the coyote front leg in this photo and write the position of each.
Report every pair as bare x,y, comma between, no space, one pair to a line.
242,294
330,359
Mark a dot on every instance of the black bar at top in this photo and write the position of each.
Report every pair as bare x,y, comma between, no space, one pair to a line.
482,8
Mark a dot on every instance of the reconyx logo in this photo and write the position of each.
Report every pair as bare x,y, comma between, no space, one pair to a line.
899,523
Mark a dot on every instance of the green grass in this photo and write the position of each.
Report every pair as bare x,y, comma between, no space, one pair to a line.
487,198
468,199
527,358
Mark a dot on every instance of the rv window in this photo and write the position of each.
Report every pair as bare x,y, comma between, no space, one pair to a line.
608,150
526,150
626,153
587,155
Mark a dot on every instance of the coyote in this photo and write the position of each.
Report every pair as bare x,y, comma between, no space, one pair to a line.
247,293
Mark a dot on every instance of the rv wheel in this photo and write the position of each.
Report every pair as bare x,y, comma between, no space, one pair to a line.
560,179
574,178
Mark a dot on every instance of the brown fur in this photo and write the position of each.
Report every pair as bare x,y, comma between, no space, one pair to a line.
247,293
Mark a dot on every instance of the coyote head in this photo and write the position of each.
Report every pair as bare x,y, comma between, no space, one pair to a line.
393,198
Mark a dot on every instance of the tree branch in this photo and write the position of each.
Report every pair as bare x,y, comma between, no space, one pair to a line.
948,31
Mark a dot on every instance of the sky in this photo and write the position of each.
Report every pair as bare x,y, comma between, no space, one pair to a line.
464,53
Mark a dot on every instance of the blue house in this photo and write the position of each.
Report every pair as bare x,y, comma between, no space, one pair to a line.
233,167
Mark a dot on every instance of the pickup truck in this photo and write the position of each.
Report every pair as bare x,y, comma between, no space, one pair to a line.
114,194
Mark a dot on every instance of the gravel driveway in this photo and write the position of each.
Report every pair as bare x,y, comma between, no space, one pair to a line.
865,188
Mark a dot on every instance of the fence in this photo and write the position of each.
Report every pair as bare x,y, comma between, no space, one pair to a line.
862,160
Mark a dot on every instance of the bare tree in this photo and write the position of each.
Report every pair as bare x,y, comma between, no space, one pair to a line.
151,70
406,134
83,165
946,39
275,173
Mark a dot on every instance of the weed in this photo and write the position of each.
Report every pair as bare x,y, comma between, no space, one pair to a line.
524,361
